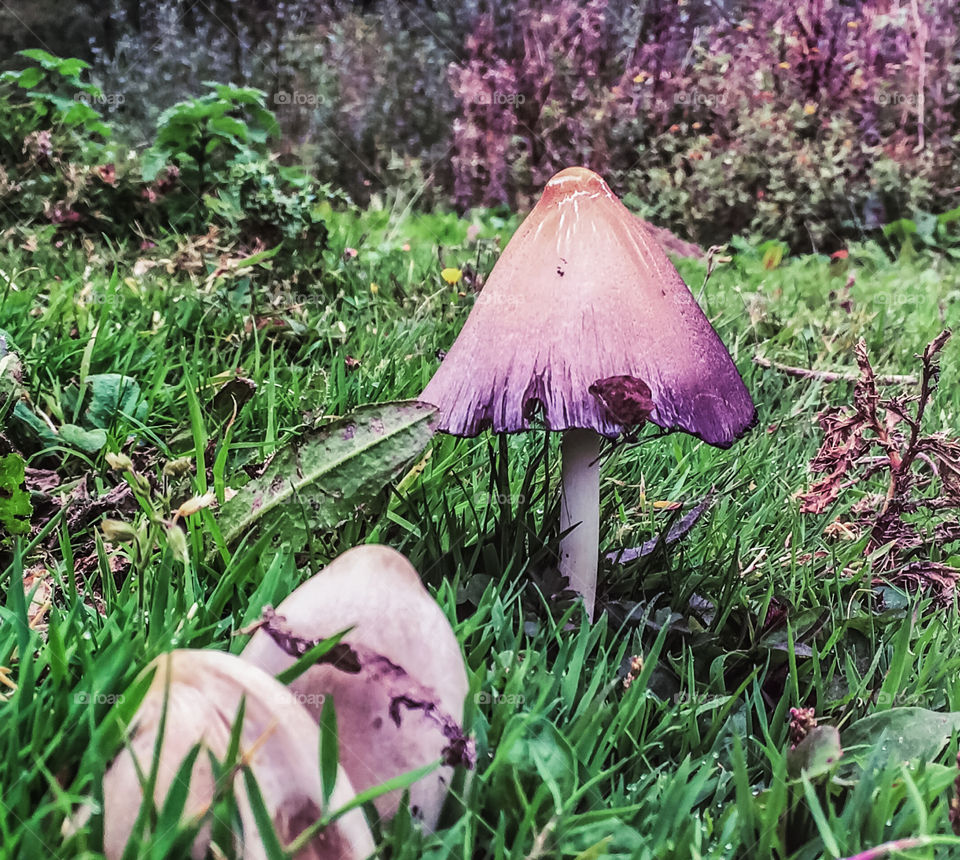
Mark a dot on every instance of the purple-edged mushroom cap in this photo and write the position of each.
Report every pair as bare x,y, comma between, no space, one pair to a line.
586,326
583,293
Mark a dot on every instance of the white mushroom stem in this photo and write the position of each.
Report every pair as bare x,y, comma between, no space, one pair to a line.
580,509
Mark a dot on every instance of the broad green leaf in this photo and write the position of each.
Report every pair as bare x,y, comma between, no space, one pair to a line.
152,162
240,95
44,58
29,78
227,125
905,733
318,484
110,395
88,441
33,425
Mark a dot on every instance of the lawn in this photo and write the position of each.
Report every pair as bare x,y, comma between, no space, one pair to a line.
582,750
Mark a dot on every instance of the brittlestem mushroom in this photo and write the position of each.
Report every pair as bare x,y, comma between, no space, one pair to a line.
585,323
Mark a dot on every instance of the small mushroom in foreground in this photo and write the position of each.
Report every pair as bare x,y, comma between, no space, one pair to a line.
279,741
585,323
397,678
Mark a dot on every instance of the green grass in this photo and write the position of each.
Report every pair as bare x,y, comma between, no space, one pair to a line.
691,760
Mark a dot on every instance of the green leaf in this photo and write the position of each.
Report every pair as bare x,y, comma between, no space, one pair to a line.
905,733
15,507
35,426
949,217
533,753
112,395
268,835
72,66
239,95
311,657
152,162
29,78
227,125
44,58
329,753
176,799
88,441
318,484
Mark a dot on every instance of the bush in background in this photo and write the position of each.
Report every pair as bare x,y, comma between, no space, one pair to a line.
812,121
209,164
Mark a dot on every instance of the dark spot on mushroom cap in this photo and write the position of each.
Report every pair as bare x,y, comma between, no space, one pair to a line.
532,407
377,722
626,399
296,814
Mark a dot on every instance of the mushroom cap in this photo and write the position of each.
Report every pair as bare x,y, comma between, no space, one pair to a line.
401,688
200,692
583,294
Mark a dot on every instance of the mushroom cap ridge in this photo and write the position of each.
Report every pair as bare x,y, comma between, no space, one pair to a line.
583,293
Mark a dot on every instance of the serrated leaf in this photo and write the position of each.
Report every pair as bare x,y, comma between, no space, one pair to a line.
15,507
316,485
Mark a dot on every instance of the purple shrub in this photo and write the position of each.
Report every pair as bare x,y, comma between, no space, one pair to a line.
812,119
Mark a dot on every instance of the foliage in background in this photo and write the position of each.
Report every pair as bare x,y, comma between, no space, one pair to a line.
209,165
719,118
810,122
813,122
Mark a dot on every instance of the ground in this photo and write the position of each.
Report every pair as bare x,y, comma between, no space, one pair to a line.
662,730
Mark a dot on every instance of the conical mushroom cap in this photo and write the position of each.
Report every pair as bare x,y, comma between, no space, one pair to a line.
582,295
399,682
201,693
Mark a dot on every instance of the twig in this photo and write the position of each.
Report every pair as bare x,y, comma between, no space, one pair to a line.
831,375
675,533
714,258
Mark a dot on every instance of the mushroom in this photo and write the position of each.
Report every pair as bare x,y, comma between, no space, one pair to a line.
586,323
201,692
397,678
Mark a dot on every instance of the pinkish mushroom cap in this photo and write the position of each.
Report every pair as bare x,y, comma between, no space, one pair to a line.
582,316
